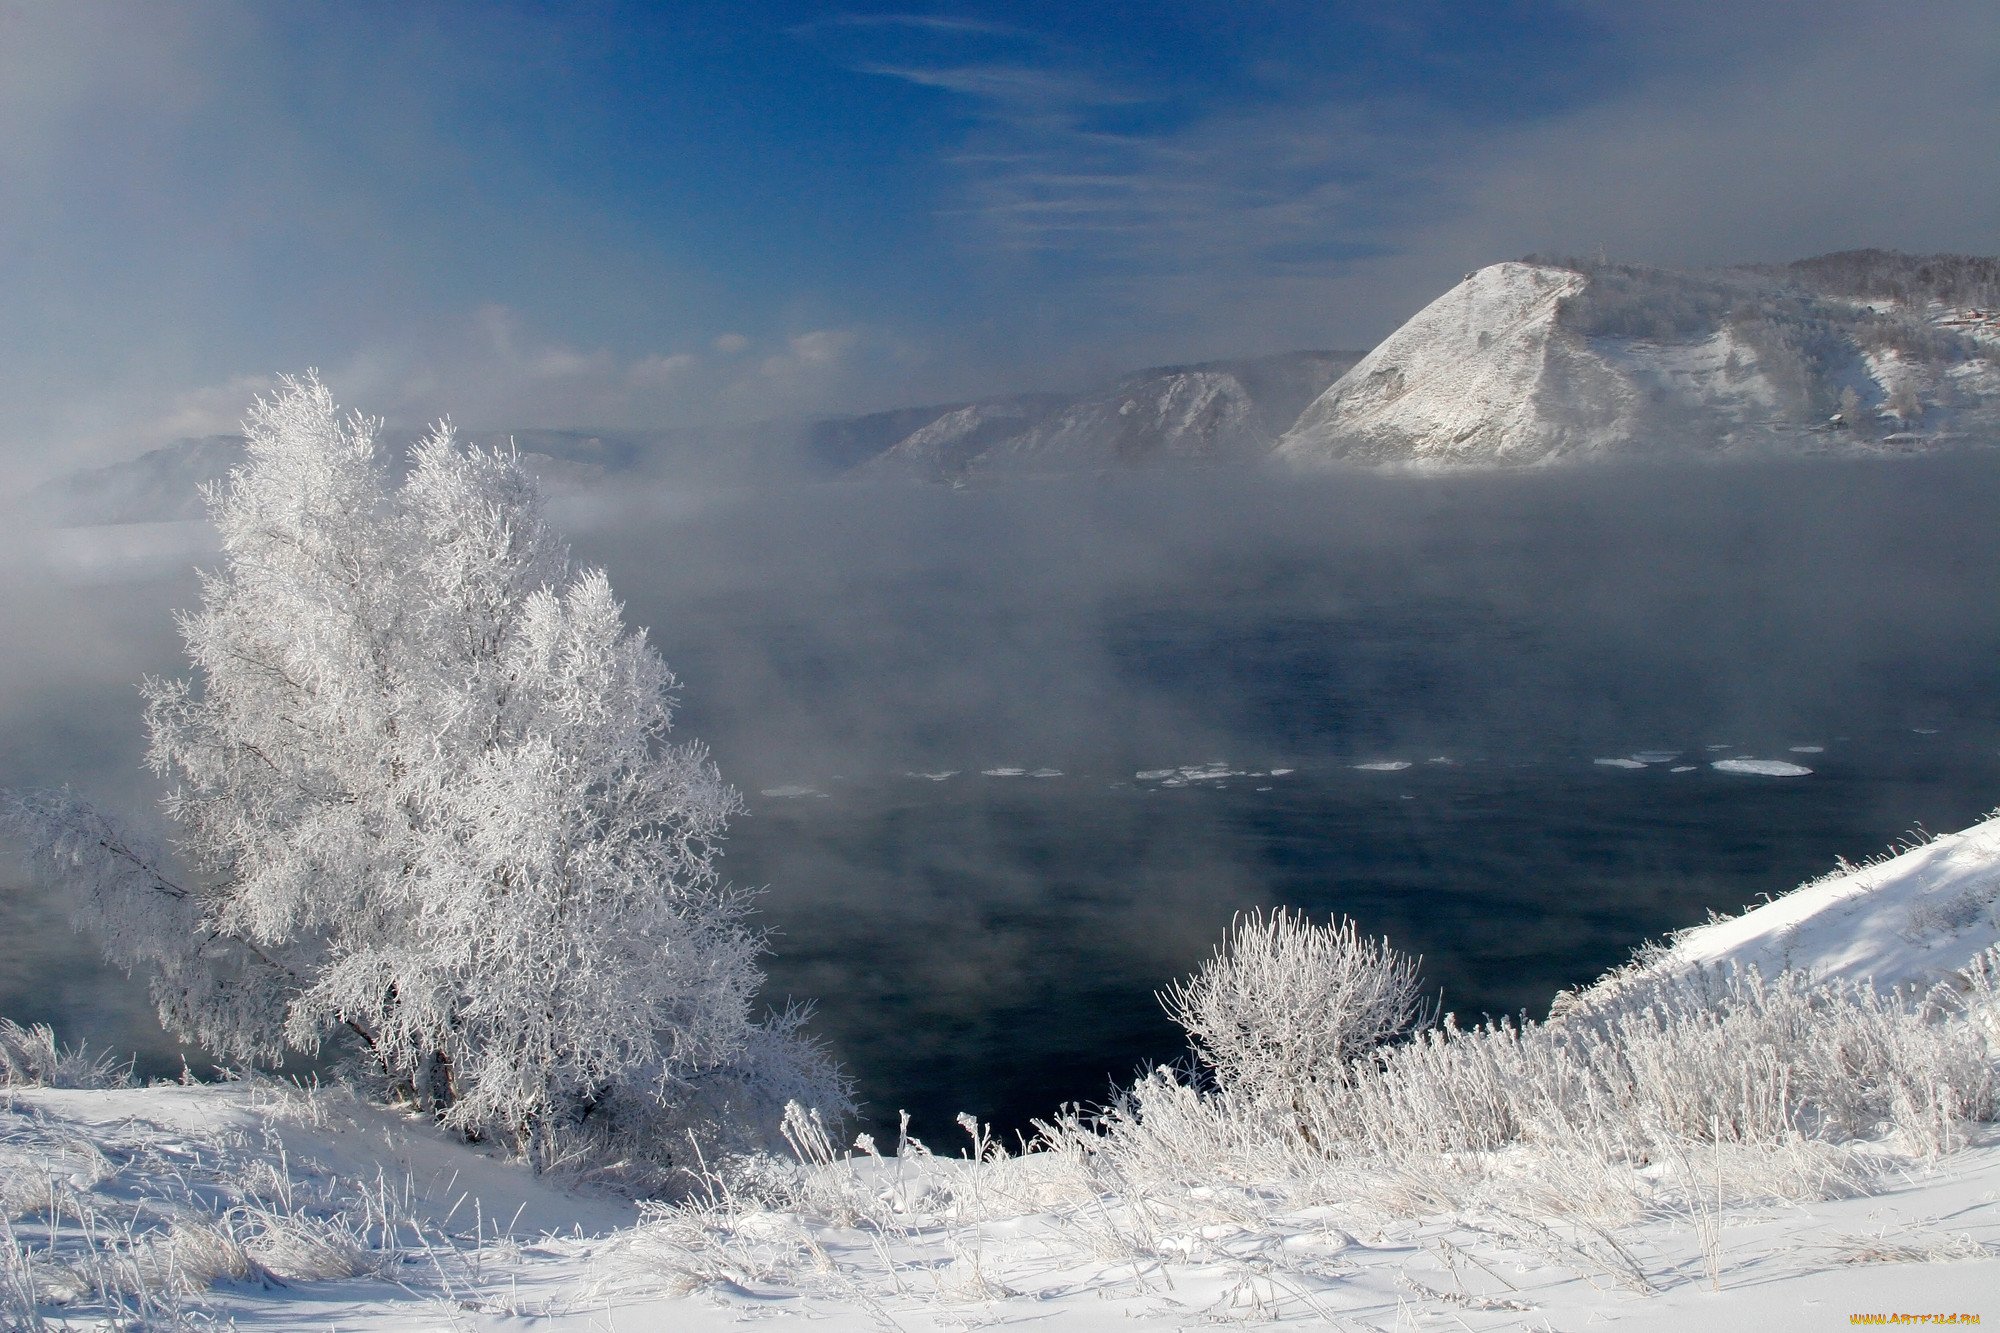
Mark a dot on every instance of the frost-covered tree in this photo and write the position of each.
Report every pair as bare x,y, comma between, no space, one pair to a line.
427,801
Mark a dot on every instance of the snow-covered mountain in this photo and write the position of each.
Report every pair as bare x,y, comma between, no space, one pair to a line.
158,486
1529,362
1215,412
1534,362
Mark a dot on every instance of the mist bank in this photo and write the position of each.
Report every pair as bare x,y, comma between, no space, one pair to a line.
1135,622
1124,623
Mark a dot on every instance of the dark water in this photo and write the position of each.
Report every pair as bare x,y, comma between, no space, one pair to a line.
993,944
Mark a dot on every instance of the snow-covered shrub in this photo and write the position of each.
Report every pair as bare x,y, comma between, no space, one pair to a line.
1771,1085
1285,1003
427,803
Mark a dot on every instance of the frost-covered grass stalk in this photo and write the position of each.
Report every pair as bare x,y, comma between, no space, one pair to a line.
31,1058
135,1226
427,806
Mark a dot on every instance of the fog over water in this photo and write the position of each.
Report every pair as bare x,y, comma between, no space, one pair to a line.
991,943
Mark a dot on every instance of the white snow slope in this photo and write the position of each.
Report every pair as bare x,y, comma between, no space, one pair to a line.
1911,919
1475,376
245,1204
1216,413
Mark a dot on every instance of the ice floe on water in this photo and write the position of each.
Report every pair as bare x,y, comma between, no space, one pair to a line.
1682,768
1656,756
1003,772
1384,766
1925,731
1768,768
1212,771
1619,763
934,777
1046,773
1808,749
1281,772
791,790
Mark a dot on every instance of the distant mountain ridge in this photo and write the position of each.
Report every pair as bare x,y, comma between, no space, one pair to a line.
1223,412
1209,413
1529,362
164,485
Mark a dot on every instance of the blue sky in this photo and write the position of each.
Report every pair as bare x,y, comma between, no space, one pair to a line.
631,215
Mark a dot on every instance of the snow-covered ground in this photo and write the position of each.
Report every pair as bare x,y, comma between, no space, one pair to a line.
1909,919
252,1204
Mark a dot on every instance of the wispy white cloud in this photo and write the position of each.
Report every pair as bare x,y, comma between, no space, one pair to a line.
1009,91
934,23
1320,215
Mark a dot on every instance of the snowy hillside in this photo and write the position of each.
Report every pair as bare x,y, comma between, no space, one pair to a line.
160,486
1484,373
1541,362
1218,412
1910,919
251,1207
1523,363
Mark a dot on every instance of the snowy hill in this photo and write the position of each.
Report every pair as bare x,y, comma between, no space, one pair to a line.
159,486
1216,412
1910,919
1527,362
251,1207
1482,373
1541,362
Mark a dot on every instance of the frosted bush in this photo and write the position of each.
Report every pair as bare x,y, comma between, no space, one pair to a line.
1285,1003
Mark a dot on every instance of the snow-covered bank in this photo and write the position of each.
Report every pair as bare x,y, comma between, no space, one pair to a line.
188,1205
233,1204
1870,1191
1912,918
